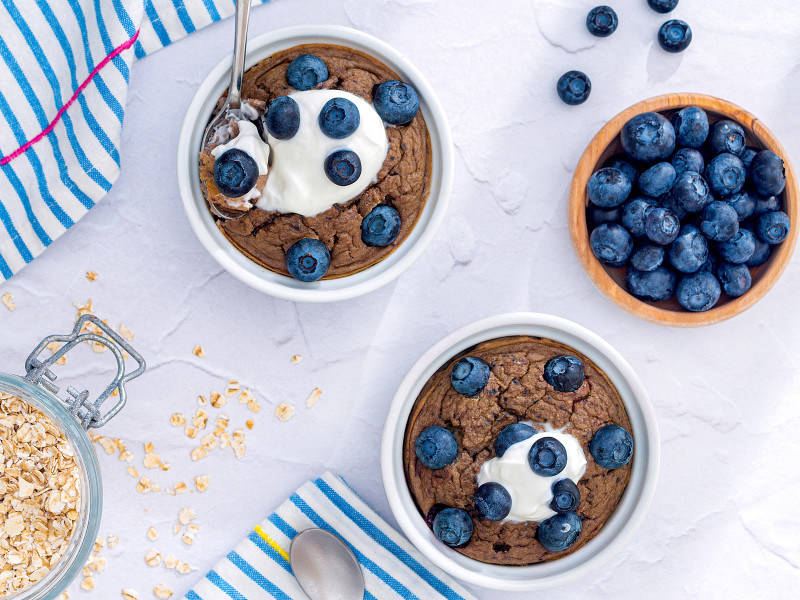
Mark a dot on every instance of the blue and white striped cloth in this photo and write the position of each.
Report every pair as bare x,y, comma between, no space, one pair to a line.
259,566
64,72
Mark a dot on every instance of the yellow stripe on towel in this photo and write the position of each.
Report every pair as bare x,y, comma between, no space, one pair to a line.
263,535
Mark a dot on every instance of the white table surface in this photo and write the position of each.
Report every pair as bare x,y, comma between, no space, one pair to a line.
723,522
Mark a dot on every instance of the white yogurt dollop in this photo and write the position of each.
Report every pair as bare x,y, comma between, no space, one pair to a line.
248,140
530,492
297,182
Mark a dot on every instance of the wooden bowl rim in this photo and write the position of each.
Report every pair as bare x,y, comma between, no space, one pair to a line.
579,232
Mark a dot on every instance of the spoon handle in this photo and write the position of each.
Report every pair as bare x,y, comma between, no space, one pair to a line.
239,50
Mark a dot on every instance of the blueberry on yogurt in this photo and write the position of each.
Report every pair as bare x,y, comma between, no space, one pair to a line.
436,447
492,501
510,435
235,173
564,373
547,457
560,531
469,376
396,102
339,118
308,259
306,72
611,447
381,226
283,118
343,167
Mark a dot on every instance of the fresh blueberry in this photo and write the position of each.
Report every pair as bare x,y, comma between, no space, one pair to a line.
396,102
611,447
283,118
743,203
566,496
690,192
608,187
726,136
574,87
747,156
547,457
602,21
765,204
597,215
769,176
688,159
339,118
735,279
381,226
720,221
648,137
698,292
343,167
739,248
564,373
675,35
658,179
621,162
559,532
492,501
235,173
453,526
469,376
773,227
655,285
760,254
511,435
689,250
661,225
633,212
663,6
611,244
725,174
306,72
691,127
308,259
669,202
648,257
436,447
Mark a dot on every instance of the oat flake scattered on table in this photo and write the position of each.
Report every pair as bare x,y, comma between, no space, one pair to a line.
8,300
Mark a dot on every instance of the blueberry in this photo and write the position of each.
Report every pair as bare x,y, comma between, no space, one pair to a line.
655,285
547,457
381,226
720,221
743,203
658,179
688,159
773,227
725,174
511,435
726,136
597,215
633,212
669,202
574,87
690,192
306,72
339,118
608,187
396,102
564,373
235,173
621,162
689,250
611,244
453,526
283,118
735,279
436,447
602,21
739,248
691,127
611,447
308,259
711,263
663,6
648,257
648,137
343,167
747,156
675,35
661,225
764,204
769,176
760,253
559,532
469,376
698,292
566,496
492,501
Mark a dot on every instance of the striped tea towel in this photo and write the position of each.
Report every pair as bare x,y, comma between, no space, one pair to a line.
259,566
64,71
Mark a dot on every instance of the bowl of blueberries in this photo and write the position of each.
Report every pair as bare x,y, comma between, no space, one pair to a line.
683,210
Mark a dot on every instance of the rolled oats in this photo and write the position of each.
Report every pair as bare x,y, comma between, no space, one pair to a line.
180,487
200,419
199,453
132,471
99,544
87,583
246,396
186,515
170,561
124,331
191,432
152,558
284,411
91,275
296,359
313,397
144,485
232,388
202,401
113,540
183,568
177,420
199,352
129,594
53,347
162,592
218,400
208,441
152,533
201,482
8,300
249,423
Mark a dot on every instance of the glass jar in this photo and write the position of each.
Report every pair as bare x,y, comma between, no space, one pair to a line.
73,415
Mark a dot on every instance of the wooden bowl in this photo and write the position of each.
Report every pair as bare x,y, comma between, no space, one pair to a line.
611,281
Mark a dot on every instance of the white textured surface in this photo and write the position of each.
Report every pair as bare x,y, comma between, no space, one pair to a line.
724,521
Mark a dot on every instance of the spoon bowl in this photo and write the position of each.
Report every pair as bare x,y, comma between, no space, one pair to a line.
325,567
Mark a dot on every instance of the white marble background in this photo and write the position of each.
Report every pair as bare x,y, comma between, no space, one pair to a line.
724,520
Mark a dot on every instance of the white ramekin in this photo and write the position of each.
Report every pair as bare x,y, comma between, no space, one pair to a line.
247,271
619,527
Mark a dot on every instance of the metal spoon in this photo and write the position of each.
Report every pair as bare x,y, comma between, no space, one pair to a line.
325,567
231,110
